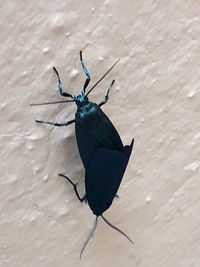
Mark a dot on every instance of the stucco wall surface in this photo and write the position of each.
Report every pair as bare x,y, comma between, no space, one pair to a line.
156,100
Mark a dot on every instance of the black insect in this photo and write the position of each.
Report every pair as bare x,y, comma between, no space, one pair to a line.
102,152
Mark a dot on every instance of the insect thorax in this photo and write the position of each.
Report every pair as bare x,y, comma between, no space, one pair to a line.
86,108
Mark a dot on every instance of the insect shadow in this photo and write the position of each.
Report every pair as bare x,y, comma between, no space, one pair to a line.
102,152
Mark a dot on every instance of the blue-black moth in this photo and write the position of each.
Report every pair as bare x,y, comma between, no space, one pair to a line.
102,152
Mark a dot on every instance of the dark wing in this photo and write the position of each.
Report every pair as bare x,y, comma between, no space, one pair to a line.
95,130
103,176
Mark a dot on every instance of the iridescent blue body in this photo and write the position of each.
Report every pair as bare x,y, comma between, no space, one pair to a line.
94,129
102,152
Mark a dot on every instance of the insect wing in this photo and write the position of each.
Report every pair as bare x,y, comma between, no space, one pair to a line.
103,176
95,130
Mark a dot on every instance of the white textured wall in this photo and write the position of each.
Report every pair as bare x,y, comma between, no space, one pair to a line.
156,99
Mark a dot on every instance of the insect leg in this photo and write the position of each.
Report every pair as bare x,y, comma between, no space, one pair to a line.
107,94
56,124
75,188
86,73
60,87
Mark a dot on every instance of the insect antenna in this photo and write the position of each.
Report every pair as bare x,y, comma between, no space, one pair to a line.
102,77
117,229
54,102
89,236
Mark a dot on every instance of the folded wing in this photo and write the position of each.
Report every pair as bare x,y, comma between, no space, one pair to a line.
103,176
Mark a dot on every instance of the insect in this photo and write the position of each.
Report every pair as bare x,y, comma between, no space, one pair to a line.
102,152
